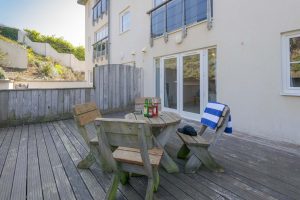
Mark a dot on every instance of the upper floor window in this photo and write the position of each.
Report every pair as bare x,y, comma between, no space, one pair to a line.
101,43
291,63
101,34
176,14
124,21
99,9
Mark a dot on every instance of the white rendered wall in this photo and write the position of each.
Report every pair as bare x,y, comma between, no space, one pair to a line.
247,35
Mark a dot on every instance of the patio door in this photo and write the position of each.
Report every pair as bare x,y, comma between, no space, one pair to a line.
188,82
191,85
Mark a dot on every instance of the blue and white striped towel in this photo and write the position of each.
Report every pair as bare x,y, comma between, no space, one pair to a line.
212,114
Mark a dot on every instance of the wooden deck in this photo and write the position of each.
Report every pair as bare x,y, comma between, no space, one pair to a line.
38,161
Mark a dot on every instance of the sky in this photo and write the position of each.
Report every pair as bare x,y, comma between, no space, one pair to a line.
62,18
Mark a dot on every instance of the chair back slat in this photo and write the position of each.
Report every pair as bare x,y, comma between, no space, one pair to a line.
225,113
121,132
86,113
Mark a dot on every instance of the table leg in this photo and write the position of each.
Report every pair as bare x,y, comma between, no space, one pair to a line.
161,140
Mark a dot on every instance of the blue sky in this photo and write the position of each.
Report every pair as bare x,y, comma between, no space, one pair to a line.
62,18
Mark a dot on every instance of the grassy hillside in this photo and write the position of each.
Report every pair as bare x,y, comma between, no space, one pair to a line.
58,43
39,68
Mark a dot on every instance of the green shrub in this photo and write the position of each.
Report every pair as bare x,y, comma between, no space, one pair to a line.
58,43
46,69
10,33
2,73
59,69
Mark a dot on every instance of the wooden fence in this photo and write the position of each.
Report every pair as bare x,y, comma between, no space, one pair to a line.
116,86
38,105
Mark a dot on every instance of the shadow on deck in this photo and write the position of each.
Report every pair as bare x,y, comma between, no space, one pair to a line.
38,161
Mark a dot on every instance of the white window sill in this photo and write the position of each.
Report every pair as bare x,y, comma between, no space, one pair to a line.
121,33
295,92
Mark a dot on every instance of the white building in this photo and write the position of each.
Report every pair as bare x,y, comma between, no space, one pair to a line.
242,53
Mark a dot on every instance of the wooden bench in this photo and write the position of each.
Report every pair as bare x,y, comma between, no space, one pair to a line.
198,146
136,152
83,115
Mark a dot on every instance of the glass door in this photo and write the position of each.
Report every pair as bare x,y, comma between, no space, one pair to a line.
191,89
170,83
188,82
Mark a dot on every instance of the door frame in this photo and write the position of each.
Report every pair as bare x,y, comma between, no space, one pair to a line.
203,65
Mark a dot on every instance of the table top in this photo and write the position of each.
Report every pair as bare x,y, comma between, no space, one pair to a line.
164,118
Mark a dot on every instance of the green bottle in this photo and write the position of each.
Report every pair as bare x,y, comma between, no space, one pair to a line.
146,108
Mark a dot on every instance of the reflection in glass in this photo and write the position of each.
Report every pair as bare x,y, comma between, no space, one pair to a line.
158,21
212,90
174,15
191,83
295,75
170,83
295,49
195,11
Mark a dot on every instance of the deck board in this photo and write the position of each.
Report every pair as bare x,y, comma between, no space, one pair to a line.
63,185
34,188
19,185
39,162
7,175
49,187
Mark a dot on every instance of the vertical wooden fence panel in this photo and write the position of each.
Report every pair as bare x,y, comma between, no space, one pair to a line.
39,105
117,87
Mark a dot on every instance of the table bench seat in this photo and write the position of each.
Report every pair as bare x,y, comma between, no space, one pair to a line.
193,140
133,156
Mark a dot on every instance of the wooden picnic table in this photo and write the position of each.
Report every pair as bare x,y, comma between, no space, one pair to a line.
163,127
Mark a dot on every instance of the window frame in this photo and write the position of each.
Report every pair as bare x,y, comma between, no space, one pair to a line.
286,76
122,14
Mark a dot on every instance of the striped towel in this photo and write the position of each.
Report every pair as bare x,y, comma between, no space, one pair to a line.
212,114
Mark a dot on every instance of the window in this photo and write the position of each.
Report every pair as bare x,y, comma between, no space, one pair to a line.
177,13
158,22
101,34
291,63
157,2
157,77
212,86
195,11
99,9
174,15
125,21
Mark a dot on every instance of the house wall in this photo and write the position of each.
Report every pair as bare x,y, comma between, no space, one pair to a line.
90,29
247,36
248,39
16,55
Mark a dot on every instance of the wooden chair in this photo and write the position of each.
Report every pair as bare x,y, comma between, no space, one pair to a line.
198,146
83,115
139,103
135,153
